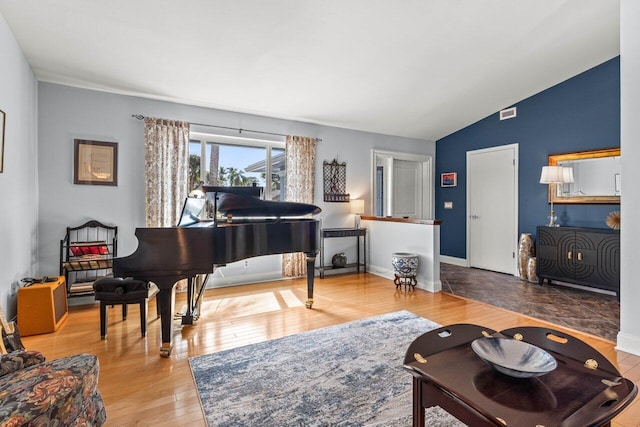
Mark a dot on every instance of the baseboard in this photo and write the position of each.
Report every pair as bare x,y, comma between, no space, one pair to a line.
86,300
435,286
462,262
242,279
388,273
628,343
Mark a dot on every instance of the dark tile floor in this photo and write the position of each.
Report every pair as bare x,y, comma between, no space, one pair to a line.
585,311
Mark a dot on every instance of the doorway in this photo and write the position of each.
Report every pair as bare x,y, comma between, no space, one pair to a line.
401,184
407,189
492,208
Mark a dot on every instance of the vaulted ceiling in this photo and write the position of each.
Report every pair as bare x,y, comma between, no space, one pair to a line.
416,68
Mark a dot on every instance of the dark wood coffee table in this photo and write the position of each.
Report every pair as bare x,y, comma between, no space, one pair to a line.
584,390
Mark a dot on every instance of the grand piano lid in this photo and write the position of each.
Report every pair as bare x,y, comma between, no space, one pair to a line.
237,205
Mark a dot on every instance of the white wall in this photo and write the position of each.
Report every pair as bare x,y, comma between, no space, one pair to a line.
66,113
386,238
629,335
18,182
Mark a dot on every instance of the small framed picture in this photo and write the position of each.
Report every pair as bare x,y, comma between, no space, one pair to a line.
95,162
449,179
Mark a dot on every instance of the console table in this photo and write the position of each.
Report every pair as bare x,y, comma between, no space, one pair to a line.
584,390
358,233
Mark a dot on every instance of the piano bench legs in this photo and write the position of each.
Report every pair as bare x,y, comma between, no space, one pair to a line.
118,291
104,317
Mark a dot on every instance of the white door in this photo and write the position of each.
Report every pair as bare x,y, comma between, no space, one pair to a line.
492,208
407,189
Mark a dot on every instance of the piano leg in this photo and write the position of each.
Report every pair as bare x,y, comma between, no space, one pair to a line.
311,266
195,290
187,317
201,288
166,302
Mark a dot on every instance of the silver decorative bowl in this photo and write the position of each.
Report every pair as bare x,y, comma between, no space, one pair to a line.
514,358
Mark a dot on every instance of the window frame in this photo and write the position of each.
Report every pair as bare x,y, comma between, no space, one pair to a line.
269,145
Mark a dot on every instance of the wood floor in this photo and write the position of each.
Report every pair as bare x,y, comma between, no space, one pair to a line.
140,388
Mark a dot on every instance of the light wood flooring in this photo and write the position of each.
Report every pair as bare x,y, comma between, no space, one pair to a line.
140,388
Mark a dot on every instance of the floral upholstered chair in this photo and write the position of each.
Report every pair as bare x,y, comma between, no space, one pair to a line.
61,392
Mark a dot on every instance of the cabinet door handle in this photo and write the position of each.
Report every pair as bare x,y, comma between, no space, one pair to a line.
569,255
579,256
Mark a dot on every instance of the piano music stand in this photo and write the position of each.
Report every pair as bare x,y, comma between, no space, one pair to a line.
191,211
253,191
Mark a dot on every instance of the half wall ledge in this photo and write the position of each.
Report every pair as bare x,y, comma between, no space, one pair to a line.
403,220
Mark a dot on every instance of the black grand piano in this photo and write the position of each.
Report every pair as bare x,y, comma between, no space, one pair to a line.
250,227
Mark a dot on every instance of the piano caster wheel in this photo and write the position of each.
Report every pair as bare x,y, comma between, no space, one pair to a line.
309,303
165,350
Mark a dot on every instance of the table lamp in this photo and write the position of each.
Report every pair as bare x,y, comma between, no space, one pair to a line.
198,192
555,175
357,208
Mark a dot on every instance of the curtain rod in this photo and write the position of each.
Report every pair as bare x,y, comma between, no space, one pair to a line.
240,130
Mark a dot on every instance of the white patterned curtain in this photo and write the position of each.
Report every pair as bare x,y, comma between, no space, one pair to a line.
166,170
300,155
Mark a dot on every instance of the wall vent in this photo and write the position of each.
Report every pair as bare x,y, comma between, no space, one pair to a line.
508,113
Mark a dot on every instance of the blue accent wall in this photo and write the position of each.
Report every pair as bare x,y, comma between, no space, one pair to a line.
581,113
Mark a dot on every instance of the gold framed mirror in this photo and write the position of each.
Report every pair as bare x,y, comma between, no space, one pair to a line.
596,177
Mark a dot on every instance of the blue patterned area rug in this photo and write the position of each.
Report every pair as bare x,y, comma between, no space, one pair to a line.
344,375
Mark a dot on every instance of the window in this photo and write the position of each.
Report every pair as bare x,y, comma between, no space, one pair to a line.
237,162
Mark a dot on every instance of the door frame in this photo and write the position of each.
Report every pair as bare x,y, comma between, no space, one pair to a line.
387,157
516,175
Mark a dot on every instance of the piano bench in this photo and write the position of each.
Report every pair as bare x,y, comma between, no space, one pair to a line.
118,291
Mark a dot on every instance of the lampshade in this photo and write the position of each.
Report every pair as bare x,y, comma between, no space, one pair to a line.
197,192
552,175
357,206
555,175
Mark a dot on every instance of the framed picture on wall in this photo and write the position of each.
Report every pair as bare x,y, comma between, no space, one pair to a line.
2,120
95,162
449,179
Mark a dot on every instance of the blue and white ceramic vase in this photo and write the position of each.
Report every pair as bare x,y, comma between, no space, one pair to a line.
405,264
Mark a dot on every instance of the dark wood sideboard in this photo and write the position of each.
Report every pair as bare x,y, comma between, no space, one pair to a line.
583,256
